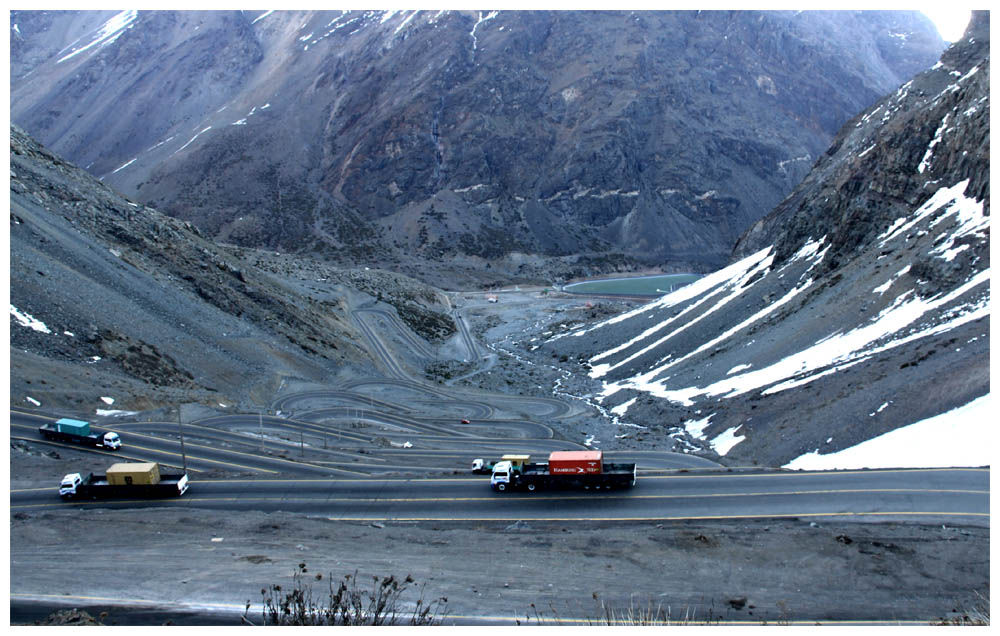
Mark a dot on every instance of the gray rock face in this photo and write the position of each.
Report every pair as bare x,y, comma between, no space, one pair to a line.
643,137
891,157
111,298
860,305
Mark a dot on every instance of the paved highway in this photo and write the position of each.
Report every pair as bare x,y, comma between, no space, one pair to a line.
944,495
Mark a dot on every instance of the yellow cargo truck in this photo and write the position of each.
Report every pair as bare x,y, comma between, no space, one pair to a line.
140,479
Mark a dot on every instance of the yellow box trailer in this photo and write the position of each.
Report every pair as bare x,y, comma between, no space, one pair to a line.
127,474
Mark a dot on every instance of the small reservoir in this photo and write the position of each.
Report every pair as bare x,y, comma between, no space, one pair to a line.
652,286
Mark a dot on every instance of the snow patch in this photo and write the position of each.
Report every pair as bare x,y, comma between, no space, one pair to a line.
696,428
114,413
952,439
125,165
489,16
29,321
192,139
725,442
968,210
925,162
881,289
262,16
108,32
623,407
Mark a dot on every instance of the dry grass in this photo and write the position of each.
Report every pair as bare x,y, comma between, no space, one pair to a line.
347,604
978,614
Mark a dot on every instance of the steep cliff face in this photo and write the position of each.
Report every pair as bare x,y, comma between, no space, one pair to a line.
933,131
859,306
653,137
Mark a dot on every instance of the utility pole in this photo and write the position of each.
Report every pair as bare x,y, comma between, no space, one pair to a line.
180,429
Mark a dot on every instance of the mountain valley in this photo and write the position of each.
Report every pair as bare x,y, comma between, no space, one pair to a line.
332,246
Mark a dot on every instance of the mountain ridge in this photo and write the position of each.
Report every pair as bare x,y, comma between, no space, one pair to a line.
544,143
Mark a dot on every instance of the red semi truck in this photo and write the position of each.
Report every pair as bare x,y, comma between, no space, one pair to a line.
565,469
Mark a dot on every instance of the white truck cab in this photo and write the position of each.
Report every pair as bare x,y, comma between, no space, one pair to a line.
500,480
112,441
69,484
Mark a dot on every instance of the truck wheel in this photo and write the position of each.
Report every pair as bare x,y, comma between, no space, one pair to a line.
531,487
501,487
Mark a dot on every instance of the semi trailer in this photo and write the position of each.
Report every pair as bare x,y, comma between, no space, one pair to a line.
79,432
565,469
141,479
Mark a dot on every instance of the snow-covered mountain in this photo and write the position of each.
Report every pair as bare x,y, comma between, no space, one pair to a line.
859,306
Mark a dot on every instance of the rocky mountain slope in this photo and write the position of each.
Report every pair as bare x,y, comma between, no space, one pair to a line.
110,298
858,306
543,144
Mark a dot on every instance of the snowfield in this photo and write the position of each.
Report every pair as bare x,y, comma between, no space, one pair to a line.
959,438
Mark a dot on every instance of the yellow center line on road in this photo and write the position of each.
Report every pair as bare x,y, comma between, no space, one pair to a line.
247,455
18,411
132,434
100,502
502,499
310,427
115,454
790,515
122,455
915,513
821,473
417,481
191,457
395,500
593,497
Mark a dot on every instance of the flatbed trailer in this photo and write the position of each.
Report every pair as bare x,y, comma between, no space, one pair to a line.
564,470
536,476
140,480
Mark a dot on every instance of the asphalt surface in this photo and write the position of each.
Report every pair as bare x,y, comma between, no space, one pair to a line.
953,495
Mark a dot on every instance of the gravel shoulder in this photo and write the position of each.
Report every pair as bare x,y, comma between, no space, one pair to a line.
767,571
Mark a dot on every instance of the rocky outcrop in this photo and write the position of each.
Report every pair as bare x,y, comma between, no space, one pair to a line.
470,137
933,131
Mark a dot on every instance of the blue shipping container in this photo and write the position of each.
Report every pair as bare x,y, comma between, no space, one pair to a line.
75,427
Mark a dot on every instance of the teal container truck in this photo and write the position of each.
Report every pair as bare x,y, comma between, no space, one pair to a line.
79,432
